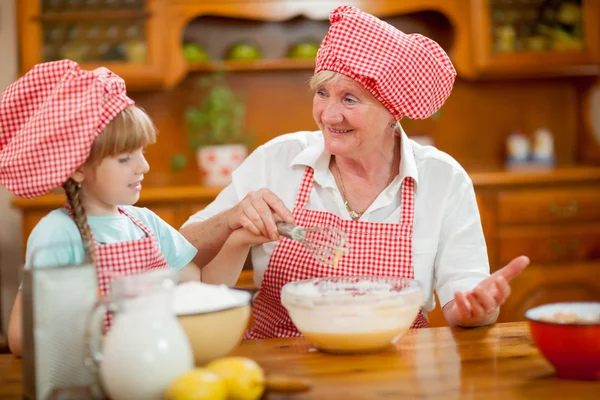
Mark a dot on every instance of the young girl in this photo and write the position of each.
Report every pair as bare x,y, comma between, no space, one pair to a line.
62,126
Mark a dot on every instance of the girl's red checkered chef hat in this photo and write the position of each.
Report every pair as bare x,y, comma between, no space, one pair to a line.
49,119
409,74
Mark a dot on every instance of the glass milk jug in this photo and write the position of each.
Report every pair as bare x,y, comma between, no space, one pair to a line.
145,348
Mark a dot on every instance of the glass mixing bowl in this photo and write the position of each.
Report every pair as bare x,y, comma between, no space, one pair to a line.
353,314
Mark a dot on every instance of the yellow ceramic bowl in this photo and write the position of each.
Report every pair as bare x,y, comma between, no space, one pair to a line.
214,334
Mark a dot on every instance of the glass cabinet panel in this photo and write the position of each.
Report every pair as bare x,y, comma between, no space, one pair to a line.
90,31
537,26
536,38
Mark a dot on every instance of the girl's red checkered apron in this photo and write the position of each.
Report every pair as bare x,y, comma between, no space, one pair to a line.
117,260
377,249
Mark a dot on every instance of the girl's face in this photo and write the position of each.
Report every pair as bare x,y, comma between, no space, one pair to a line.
115,181
353,122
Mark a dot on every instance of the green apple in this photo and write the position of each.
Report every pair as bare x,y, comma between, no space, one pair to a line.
195,53
244,51
569,14
303,50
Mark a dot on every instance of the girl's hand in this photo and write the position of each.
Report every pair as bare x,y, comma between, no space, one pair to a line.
480,306
255,213
244,237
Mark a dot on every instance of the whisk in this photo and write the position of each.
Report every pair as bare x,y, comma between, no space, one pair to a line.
326,244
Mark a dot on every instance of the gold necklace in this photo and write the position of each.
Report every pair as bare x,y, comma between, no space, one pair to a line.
353,213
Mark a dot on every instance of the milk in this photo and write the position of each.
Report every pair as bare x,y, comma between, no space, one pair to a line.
145,350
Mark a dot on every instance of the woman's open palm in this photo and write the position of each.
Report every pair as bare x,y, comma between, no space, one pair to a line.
479,304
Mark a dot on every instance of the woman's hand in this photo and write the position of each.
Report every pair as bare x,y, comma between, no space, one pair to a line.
480,306
257,213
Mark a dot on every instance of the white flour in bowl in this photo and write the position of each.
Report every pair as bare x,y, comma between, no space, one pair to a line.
197,297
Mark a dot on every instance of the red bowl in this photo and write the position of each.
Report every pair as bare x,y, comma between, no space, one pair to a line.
573,347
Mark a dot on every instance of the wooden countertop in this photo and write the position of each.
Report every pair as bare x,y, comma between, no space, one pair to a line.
197,194
498,362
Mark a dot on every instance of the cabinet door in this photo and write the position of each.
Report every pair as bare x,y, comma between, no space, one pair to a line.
589,143
543,284
123,35
566,243
536,38
553,205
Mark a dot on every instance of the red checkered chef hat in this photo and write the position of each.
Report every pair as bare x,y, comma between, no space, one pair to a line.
49,120
409,74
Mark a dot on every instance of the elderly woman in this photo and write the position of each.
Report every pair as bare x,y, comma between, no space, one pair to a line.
409,210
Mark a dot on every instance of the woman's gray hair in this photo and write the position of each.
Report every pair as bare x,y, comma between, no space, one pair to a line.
319,79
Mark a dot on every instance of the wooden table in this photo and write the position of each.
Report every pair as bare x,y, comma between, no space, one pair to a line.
499,362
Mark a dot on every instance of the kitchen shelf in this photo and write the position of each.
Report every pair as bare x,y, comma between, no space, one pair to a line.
99,15
254,65
541,64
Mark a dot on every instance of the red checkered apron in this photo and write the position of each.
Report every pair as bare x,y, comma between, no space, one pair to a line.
376,249
116,260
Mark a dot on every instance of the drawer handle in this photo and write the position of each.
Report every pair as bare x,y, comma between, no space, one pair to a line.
567,211
564,249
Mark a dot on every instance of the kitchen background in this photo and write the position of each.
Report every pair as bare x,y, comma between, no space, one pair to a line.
522,119
10,218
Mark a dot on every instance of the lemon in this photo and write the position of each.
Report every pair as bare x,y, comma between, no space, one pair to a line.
244,378
198,384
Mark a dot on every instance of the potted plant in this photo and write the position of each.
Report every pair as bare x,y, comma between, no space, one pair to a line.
216,130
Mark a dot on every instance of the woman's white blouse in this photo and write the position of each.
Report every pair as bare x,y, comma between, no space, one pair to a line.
448,243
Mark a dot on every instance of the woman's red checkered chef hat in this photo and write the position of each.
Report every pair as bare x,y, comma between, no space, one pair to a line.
409,74
49,119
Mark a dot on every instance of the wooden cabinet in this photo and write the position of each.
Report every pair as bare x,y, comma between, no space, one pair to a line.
578,204
589,106
555,221
126,36
142,40
535,38
484,38
552,217
273,26
543,283
559,243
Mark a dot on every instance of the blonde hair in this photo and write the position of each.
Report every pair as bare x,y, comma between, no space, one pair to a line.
130,130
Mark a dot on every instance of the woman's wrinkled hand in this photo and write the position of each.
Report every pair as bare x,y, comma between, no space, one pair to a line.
258,212
480,305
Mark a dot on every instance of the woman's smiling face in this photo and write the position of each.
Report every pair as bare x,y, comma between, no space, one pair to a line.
351,119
